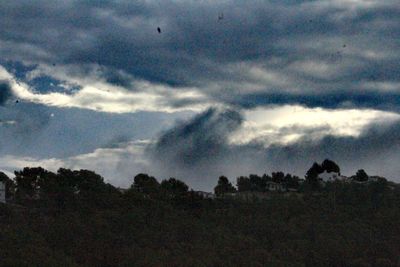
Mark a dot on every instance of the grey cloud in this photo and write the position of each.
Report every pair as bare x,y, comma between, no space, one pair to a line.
118,78
197,49
375,150
366,99
29,122
44,132
198,140
197,151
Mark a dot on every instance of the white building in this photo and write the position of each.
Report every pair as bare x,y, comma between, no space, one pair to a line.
2,192
371,179
277,187
331,176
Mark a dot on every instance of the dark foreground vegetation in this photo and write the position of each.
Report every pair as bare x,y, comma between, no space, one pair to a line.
73,218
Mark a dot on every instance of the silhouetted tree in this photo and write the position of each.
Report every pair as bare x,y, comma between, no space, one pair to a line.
48,188
85,185
291,181
313,172
69,180
278,177
361,176
28,182
257,183
243,184
312,175
330,166
145,184
89,181
174,187
9,184
266,178
224,186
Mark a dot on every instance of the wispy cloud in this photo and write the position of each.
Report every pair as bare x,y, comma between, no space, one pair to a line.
100,96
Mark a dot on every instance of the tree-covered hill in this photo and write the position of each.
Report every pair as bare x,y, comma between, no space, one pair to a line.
73,218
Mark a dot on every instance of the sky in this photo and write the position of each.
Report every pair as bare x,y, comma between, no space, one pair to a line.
224,88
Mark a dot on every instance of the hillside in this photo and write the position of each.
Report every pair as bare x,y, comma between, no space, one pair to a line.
81,221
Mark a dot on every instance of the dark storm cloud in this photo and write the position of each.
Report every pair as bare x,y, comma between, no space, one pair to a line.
198,151
117,78
195,48
367,99
198,140
5,92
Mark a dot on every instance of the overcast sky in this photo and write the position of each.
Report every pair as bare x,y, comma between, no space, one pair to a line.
228,88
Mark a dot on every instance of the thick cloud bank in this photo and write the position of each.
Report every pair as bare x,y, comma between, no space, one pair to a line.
199,140
198,151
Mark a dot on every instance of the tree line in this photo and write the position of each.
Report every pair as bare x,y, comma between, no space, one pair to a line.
38,183
74,218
